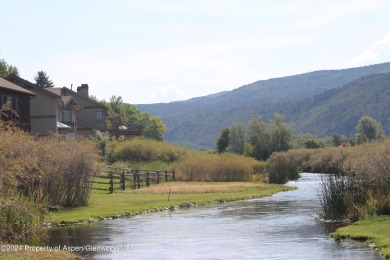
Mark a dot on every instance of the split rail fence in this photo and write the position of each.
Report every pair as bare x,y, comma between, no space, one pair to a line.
123,178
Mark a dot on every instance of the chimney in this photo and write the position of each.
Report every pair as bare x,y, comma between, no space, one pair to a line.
83,90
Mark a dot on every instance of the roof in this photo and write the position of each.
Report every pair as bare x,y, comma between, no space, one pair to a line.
84,97
56,91
71,103
25,84
13,87
70,92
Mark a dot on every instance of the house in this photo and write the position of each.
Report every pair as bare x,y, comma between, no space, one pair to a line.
50,112
15,104
93,114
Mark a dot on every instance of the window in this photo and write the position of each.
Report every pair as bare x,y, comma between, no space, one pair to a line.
66,116
99,116
10,108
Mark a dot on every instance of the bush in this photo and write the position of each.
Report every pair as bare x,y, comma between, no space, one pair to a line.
282,168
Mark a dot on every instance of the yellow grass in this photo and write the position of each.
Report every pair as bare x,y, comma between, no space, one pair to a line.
35,255
197,187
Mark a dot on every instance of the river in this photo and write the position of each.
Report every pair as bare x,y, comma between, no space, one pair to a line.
283,226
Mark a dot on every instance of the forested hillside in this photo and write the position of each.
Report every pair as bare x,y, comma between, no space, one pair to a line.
339,110
198,121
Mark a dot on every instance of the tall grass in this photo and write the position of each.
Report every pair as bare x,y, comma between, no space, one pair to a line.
342,198
285,166
370,164
188,165
145,150
359,184
366,189
38,173
203,166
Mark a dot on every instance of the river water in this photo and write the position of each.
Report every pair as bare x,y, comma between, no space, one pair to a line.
283,226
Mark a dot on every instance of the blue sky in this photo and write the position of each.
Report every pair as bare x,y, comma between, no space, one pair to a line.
160,51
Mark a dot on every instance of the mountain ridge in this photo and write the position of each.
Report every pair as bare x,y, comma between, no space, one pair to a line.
197,122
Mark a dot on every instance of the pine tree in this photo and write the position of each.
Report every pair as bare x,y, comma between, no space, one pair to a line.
42,80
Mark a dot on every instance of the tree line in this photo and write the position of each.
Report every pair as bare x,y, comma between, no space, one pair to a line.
256,139
131,117
259,139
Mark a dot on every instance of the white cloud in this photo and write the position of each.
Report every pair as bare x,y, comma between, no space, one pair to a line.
167,93
378,51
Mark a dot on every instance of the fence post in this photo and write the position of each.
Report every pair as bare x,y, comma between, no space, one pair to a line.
173,175
166,176
111,189
123,180
135,179
147,179
158,177
138,184
128,172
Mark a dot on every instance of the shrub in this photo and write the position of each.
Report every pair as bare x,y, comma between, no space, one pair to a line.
282,168
329,160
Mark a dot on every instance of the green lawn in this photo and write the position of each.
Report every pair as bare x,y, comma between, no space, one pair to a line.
373,230
103,204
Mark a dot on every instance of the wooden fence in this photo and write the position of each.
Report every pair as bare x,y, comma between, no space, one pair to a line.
122,178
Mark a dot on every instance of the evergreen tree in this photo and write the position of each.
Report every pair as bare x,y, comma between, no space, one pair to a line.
223,141
42,80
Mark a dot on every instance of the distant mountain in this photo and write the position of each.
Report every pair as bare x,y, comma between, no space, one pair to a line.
339,110
197,122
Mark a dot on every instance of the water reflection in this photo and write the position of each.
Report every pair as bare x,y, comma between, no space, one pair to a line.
278,227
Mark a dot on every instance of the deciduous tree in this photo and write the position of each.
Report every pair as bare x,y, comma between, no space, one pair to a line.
237,139
257,139
6,69
368,129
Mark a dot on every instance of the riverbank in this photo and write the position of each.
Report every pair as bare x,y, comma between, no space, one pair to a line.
11,252
374,230
155,198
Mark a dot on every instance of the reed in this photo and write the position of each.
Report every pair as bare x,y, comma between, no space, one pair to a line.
203,166
38,173
145,150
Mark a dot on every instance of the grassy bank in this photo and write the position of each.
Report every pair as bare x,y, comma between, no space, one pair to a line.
374,230
33,255
156,197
